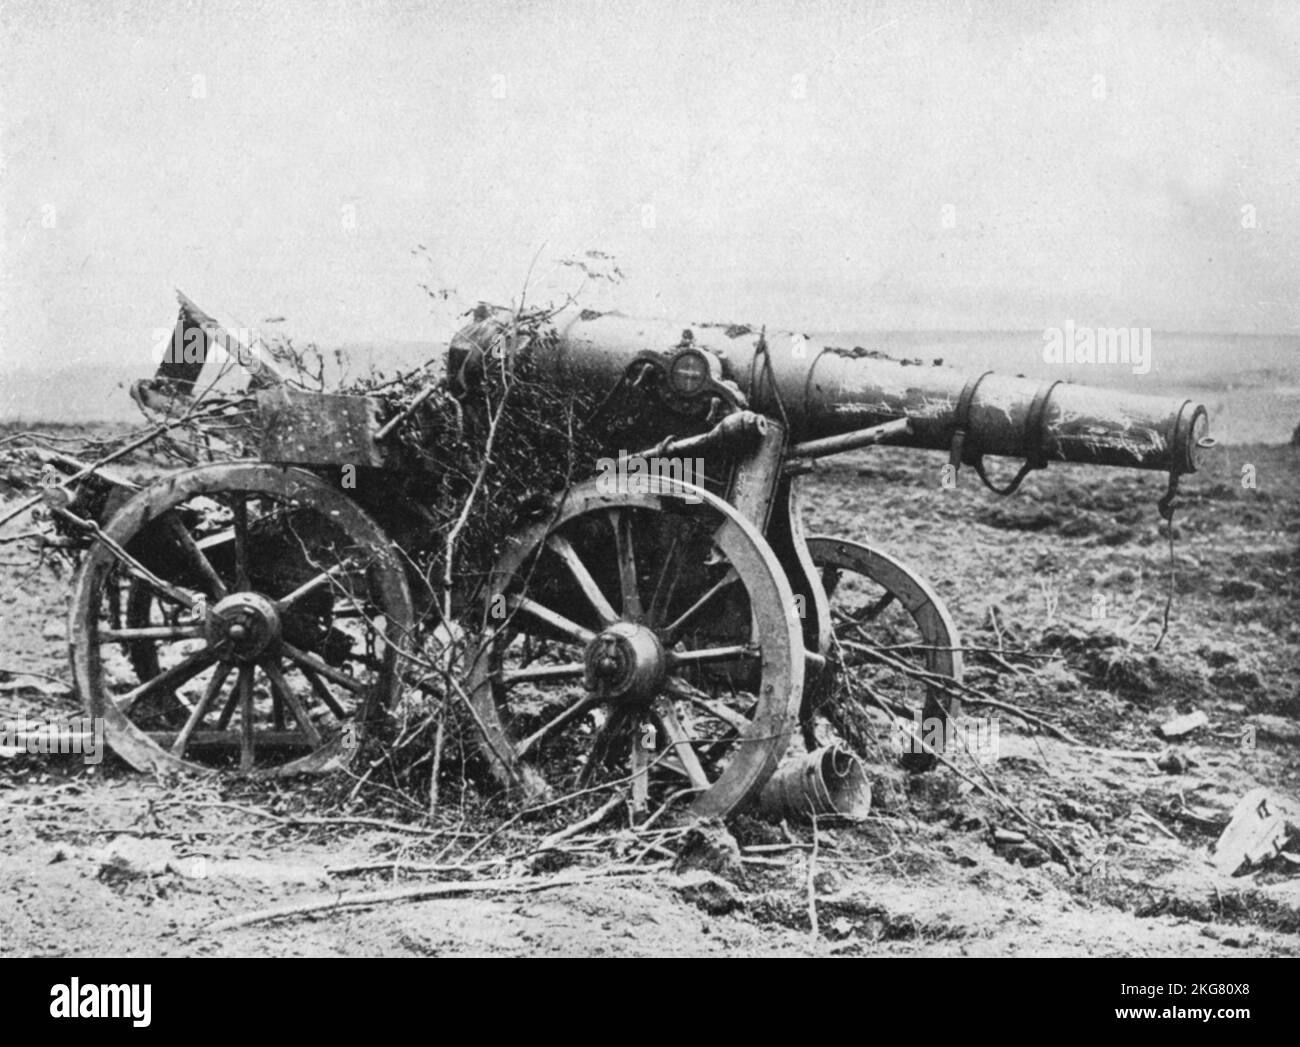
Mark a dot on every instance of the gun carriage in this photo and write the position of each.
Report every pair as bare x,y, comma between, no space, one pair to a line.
665,624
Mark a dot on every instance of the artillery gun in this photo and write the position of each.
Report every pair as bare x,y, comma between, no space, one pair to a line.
730,611
664,629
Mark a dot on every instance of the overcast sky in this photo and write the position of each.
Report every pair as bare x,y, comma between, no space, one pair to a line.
820,165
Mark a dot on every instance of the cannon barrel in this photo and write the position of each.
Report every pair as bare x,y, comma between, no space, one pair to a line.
822,391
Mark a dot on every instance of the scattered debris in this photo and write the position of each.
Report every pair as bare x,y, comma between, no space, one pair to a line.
46,688
1262,826
1181,726
831,781
840,928
1145,816
1173,761
1217,655
1276,728
1236,589
705,891
710,847
1026,854
133,857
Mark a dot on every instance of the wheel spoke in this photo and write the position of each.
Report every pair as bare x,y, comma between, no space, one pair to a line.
571,713
305,660
640,777
201,710
667,583
679,577
151,632
277,707
239,512
679,688
869,614
554,619
830,580
186,669
730,578
712,654
543,673
281,687
564,549
323,692
197,556
625,550
128,561
246,743
311,586
245,537
228,710
914,666
114,605
602,746
680,742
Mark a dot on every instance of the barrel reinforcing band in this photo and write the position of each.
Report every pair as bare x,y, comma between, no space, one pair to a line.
1035,440
961,418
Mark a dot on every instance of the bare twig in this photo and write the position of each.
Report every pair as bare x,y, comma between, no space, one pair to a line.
29,672
338,903
810,882
969,695
148,435
590,822
291,819
987,787
438,741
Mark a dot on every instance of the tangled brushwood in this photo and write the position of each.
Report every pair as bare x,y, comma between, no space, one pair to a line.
482,451
472,455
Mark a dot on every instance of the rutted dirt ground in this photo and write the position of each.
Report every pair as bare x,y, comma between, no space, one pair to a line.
104,861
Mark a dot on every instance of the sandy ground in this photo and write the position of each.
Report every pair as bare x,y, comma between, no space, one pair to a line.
106,862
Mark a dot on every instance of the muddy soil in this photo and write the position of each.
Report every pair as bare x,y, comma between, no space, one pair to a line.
1075,569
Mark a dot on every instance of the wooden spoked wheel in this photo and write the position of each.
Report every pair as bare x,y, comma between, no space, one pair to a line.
240,617
895,645
646,643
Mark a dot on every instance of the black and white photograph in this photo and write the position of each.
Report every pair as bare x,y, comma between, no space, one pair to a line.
559,479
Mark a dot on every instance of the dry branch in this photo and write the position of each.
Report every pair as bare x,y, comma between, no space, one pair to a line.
509,885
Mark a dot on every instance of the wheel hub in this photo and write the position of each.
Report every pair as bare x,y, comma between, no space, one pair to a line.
243,626
625,661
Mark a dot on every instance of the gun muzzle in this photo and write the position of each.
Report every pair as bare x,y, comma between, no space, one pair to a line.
989,414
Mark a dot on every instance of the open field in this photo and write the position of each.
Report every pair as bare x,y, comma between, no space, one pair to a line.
104,861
